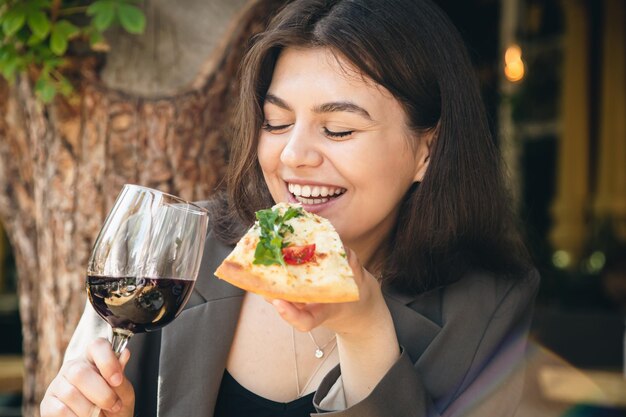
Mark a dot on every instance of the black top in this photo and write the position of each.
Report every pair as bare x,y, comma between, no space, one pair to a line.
233,400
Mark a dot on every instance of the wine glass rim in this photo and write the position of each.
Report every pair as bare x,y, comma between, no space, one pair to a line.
202,210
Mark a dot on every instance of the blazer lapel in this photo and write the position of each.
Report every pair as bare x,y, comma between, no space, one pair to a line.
195,346
415,331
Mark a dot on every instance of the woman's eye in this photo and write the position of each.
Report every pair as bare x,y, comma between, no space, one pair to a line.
341,134
273,128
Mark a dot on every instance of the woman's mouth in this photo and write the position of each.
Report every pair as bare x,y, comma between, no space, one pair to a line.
314,194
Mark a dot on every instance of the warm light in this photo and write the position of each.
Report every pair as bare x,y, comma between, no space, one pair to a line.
514,71
513,53
513,65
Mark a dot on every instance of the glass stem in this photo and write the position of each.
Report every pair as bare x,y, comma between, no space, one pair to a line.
119,340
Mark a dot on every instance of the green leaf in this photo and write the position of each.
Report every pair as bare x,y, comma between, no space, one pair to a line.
100,6
104,19
10,62
62,31
40,4
38,23
34,40
67,28
58,42
131,18
5,53
45,89
8,68
13,20
103,12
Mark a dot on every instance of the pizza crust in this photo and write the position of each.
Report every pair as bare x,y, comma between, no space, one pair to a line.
239,277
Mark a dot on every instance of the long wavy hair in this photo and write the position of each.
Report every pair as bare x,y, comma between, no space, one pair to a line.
459,217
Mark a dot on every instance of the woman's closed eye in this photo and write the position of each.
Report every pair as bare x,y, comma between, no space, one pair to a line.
274,128
337,134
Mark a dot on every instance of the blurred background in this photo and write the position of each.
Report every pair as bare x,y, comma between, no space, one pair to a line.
553,74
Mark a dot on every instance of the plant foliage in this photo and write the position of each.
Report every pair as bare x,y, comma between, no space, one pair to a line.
36,35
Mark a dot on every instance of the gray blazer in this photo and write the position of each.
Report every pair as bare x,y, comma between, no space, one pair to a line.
462,350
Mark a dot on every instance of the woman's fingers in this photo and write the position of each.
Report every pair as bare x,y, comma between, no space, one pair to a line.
89,383
63,399
303,317
126,393
125,390
360,274
101,354
292,315
96,380
124,358
51,406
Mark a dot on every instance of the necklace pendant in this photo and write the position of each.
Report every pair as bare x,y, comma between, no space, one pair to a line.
319,353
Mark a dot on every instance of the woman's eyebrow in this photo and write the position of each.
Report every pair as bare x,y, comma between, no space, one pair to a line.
270,98
335,106
338,106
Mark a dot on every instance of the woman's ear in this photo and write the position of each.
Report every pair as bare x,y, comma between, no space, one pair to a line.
423,153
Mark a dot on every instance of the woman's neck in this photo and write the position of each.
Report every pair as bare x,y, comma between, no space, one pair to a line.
372,255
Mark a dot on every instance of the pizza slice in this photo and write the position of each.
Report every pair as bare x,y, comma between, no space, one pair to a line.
293,255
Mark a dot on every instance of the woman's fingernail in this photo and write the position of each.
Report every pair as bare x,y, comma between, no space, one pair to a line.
116,379
117,407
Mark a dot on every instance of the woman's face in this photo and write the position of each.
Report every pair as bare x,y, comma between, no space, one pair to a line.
339,144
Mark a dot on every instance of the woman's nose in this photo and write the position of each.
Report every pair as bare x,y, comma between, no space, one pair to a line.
300,150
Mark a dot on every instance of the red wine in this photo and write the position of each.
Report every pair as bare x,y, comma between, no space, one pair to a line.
138,304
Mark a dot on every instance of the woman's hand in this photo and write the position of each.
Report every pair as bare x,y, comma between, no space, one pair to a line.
96,380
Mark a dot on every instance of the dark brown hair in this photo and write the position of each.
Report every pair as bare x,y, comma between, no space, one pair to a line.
459,217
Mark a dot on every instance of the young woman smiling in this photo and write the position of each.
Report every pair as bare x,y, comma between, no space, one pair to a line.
368,113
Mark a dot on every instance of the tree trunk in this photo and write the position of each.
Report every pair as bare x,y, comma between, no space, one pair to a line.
62,165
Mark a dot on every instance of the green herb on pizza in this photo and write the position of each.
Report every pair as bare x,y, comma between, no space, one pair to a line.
273,229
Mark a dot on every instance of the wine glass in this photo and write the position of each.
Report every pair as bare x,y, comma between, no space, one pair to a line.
145,261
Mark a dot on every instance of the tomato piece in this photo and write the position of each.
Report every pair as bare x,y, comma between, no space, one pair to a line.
297,255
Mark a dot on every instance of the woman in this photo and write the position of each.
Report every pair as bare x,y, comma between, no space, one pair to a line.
367,112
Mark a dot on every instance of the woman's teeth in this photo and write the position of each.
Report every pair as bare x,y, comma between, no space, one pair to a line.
314,194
